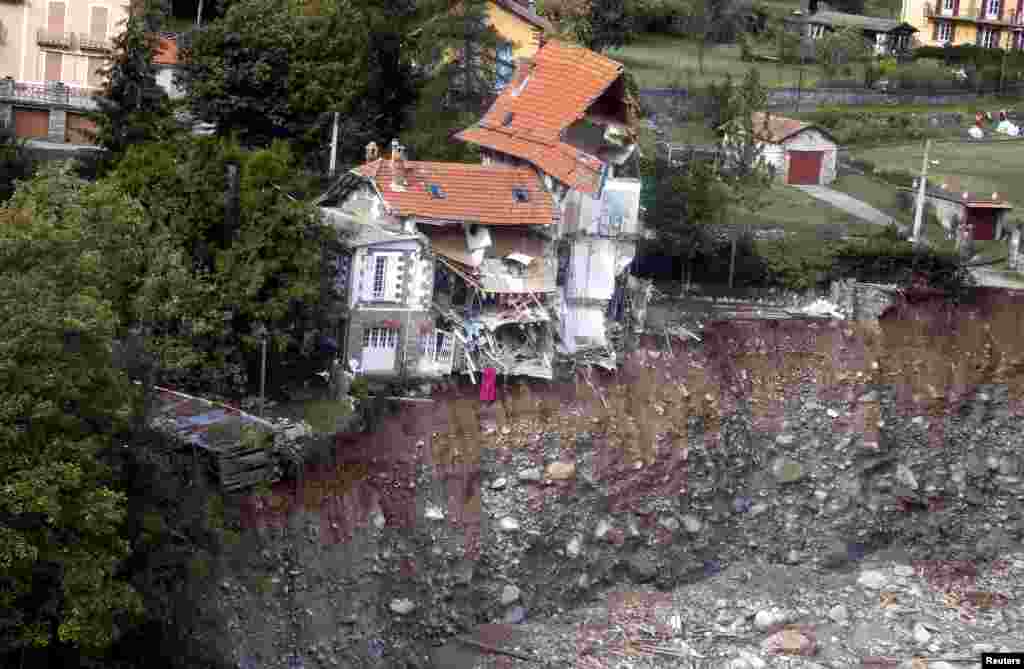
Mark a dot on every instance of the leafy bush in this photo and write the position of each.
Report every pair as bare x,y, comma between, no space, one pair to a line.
928,76
851,127
790,51
887,259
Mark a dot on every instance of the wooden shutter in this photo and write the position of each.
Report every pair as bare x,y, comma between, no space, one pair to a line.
98,23
54,61
55,17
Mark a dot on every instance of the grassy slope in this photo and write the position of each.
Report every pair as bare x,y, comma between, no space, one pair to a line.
663,60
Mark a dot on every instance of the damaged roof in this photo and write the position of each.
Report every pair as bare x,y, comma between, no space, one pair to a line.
486,194
545,97
497,274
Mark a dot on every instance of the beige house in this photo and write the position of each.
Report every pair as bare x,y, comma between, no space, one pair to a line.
49,58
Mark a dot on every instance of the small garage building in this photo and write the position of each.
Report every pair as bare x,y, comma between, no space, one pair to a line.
800,153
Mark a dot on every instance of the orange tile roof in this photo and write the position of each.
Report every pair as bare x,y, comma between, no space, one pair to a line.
779,128
545,97
477,193
167,52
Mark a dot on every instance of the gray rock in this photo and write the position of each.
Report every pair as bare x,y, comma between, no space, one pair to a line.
921,634
873,578
533,474
499,483
508,524
906,477
434,513
745,660
787,470
642,567
402,606
692,524
903,570
768,618
838,614
574,547
602,529
515,615
509,594
669,523
1009,465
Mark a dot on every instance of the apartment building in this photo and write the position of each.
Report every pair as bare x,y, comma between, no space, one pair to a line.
50,56
986,23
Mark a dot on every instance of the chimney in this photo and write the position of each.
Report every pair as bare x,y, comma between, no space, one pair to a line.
372,152
398,178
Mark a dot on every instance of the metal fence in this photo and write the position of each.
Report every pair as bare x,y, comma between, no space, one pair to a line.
47,93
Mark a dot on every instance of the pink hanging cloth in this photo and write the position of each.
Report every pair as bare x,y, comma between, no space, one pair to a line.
489,385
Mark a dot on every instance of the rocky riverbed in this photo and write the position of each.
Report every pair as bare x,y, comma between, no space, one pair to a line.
778,494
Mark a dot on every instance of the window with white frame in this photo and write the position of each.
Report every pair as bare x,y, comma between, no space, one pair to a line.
437,346
380,277
947,5
992,8
380,338
988,38
945,32
98,22
505,66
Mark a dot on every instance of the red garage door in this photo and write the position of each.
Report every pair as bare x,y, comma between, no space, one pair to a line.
805,167
31,123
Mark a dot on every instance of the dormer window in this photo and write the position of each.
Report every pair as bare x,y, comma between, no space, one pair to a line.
520,195
508,118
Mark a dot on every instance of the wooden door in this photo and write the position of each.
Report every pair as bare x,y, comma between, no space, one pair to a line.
983,224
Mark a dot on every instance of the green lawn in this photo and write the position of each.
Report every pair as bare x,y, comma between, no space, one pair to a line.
978,168
880,195
659,61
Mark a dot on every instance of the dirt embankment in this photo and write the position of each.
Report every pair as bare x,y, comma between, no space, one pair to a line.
811,444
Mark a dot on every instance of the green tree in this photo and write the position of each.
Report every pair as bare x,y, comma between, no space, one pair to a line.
744,169
840,50
62,406
274,69
707,22
15,162
598,25
228,263
680,202
132,107
456,50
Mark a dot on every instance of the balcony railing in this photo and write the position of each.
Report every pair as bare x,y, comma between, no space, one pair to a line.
48,93
87,43
973,13
60,40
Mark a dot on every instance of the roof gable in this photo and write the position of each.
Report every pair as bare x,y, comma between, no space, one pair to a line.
546,96
777,129
166,51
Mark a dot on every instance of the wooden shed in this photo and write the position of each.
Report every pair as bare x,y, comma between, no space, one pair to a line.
984,213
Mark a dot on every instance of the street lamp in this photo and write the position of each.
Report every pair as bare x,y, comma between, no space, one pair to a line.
261,333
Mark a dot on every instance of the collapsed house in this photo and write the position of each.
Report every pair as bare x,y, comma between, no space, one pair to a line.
453,268
568,116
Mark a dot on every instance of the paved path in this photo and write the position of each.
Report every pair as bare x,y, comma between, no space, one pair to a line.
850,205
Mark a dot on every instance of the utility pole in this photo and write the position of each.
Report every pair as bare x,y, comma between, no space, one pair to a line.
334,145
199,14
919,209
